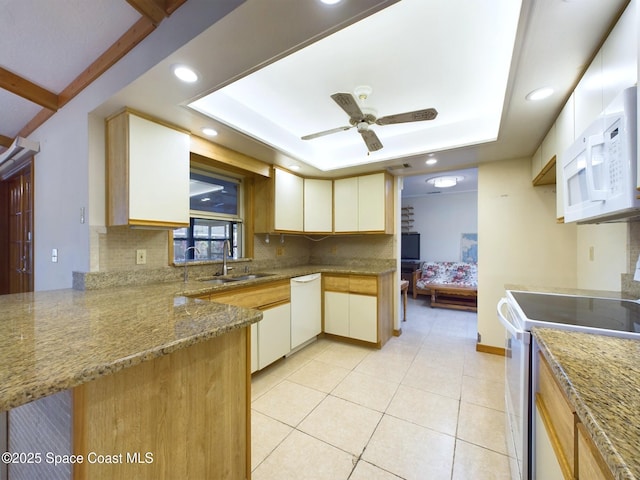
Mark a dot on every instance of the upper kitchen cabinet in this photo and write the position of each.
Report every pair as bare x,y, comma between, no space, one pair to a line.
588,95
620,57
147,173
543,163
565,135
318,211
288,214
279,203
363,204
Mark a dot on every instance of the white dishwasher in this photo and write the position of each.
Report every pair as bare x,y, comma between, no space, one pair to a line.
306,309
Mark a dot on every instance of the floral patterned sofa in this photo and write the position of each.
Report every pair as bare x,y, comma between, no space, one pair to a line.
450,284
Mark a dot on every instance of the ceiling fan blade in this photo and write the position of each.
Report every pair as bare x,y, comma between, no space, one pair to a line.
347,103
416,116
326,132
371,139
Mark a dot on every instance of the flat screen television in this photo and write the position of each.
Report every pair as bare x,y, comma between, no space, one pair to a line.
410,247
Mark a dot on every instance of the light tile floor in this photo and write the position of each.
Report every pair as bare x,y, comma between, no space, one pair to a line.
425,406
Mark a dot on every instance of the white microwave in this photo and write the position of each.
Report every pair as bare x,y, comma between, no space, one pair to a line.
599,169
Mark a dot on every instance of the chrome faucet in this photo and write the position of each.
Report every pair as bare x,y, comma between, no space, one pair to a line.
226,251
186,273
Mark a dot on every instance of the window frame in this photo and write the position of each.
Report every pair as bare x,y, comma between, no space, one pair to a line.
239,219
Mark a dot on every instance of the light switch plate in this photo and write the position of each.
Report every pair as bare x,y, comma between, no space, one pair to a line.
141,257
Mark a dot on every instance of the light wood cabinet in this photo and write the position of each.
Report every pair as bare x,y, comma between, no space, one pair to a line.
274,334
558,425
565,135
189,410
351,315
318,208
547,464
336,313
588,95
557,416
363,204
358,307
271,336
620,56
345,205
591,465
147,173
288,202
543,163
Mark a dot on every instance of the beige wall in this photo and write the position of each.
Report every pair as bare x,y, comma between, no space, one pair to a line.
519,240
603,269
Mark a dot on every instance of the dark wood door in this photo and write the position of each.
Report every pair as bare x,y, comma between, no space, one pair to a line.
18,194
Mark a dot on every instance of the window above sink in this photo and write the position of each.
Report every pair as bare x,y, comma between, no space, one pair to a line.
216,215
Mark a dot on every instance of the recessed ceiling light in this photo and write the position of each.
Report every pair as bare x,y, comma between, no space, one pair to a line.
294,167
185,74
539,94
431,161
330,2
209,132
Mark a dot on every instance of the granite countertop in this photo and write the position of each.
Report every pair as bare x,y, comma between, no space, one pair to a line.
56,340
601,377
195,286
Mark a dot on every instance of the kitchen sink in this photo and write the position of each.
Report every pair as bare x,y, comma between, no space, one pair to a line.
219,281
239,278
251,276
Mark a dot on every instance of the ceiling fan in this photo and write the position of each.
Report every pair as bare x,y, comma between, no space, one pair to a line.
362,119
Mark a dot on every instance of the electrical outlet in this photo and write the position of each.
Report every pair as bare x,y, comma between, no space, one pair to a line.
54,255
279,251
591,253
141,257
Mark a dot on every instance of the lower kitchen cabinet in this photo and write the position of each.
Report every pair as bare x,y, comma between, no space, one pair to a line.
591,465
564,448
336,313
273,335
358,307
557,418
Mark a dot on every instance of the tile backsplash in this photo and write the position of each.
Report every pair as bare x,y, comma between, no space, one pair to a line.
115,249
113,255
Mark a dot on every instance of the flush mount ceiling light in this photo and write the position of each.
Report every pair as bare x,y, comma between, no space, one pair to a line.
445,181
539,94
209,132
185,74
431,161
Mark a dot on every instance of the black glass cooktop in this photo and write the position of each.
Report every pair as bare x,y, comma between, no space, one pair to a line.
589,312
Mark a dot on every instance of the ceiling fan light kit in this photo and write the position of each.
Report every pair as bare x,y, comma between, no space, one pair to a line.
362,118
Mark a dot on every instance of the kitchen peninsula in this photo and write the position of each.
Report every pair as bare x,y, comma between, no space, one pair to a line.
156,379
154,374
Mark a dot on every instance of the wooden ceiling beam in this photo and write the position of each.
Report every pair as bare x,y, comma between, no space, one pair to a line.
5,141
154,10
132,37
28,90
